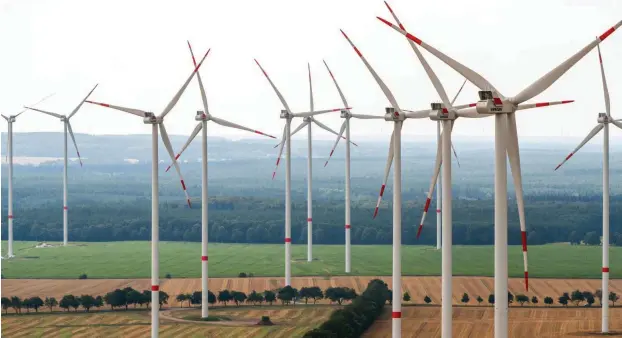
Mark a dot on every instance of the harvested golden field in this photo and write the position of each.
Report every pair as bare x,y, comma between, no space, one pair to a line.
418,287
478,322
291,322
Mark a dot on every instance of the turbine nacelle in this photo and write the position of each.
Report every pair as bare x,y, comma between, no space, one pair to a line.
11,119
64,118
150,118
345,114
392,115
488,104
201,116
603,118
285,114
441,113
307,119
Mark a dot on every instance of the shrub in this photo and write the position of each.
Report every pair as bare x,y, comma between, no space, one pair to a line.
83,276
265,320
242,275
427,299
169,276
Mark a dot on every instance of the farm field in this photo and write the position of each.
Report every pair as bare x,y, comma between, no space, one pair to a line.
479,322
417,287
182,259
291,322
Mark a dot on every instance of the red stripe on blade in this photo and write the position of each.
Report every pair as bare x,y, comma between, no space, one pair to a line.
414,38
382,190
523,235
419,230
204,258
396,314
155,288
288,240
526,281
375,212
542,104
605,269
177,156
472,104
569,156
347,226
65,208
309,219
607,33
183,185
10,216
427,205
567,101
331,153
438,211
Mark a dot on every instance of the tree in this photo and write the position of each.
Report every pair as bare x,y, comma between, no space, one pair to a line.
534,300
613,297
117,298
465,298
574,238
479,300
69,301
133,297
305,294
510,298
211,298
548,301
146,297
286,294
389,297
196,298
349,294
224,296
163,298
522,299
6,304
16,304
26,304
406,297
181,298
427,299
50,302
599,294
238,297
563,300
255,297
577,297
491,298
36,303
591,238
269,296
589,298
87,302
99,302
312,292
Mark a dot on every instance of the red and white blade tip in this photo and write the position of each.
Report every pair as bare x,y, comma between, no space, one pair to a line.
98,103
264,134
408,35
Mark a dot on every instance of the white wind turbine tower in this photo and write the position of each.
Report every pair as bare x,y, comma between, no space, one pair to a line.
506,144
203,117
603,123
288,115
345,127
9,155
157,122
67,127
307,122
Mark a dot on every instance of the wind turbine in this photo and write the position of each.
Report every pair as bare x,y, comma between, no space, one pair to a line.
203,117
603,123
67,127
345,126
307,122
9,154
288,115
506,144
157,122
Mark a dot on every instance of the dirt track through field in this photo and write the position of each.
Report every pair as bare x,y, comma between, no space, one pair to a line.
418,287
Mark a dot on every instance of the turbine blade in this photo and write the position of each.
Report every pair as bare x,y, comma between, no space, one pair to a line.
74,141
440,90
367,117
387,168
418,114
34,104
169,149
318,112
478,80
310,88
541,104
587,138
458,94
45,112
343,98
194,134
136,112
278,93
237,126
6,118
605,89
343,128
549,78
302,125
278,158
379,81
617,124
81,103
514,159
323,126
201,88
181,90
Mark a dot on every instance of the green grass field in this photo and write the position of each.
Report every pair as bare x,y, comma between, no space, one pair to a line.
181,259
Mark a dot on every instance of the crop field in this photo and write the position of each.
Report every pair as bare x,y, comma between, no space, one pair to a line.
479,322
182,259
290,322
417,287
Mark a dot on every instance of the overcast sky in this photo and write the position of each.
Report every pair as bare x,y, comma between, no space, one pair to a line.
136,51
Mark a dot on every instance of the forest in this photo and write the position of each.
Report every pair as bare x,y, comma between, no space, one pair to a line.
110,199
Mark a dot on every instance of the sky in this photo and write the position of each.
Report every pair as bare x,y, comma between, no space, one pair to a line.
136,51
